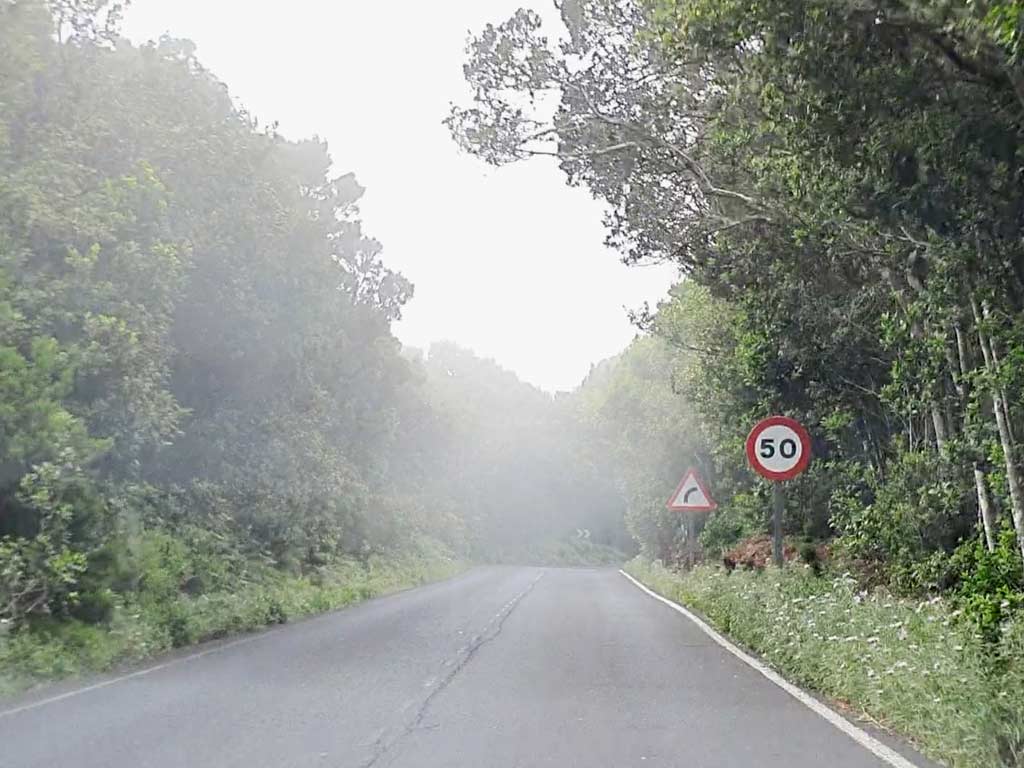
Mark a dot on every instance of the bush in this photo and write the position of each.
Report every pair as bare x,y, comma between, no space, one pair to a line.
898,526
94,607
743,517
161,616
810,557
991,584
41,573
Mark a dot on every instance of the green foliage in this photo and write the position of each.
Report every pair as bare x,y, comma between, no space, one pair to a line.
1005,22
636,430
809,557
899,519
139,628
741,518
990,585
41,572
838,181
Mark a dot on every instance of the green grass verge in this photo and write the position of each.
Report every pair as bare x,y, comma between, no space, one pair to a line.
59,649
911,666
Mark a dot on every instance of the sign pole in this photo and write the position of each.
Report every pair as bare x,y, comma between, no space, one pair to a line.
685,528
690,543
778,506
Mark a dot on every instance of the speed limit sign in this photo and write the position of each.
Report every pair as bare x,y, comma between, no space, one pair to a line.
779,448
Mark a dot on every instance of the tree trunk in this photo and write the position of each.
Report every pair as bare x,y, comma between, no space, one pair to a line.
1005,438
959,367
940,427
985,511
938,422
994,349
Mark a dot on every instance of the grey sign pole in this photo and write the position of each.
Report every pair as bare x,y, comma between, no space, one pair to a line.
778,507
685,530
691,539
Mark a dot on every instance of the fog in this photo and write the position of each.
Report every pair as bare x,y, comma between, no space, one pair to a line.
496,255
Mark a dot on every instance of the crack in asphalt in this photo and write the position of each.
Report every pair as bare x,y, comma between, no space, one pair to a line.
382,746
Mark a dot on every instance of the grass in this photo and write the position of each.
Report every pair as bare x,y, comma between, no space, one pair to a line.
59,649
911,666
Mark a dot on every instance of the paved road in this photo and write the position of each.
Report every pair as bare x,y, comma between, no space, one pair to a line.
498,668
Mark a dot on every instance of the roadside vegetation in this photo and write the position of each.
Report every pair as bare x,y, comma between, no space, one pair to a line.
160,617
910,665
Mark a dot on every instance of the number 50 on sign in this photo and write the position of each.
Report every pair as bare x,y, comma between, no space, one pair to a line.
779,448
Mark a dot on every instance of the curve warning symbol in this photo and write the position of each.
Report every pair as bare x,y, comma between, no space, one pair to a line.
691,495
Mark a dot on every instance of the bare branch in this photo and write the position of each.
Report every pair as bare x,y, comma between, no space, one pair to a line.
737,223
581,155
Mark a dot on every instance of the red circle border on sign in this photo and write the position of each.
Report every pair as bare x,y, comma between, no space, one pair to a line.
783,421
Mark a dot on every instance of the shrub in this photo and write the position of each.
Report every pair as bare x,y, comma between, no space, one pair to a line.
897,526
743,517
991,584
161,615
912,510
94,607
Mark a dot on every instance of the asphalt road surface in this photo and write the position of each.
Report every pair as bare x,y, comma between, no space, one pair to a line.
500,667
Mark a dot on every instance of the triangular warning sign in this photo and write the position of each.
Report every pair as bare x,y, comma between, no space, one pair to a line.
691,495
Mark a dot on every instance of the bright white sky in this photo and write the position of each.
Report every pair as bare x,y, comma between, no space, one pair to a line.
508,262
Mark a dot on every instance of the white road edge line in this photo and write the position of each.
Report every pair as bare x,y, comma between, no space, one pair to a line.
866,740
122,678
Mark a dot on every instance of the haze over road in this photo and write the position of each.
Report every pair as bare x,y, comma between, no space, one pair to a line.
500,667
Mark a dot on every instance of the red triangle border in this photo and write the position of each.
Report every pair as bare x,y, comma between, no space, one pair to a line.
711,505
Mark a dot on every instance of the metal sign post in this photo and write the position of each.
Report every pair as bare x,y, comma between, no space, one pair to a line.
778,508
691,543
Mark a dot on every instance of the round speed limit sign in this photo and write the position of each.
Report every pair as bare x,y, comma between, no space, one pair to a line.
779,448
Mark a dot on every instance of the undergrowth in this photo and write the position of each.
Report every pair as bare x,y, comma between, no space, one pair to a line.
138,628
